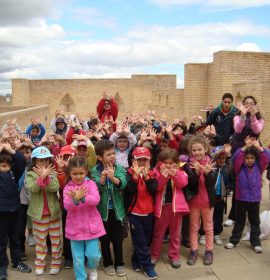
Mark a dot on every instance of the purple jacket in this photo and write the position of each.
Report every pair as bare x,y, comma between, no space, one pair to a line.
249,181
83,220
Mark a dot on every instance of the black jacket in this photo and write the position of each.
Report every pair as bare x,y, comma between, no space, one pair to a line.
9,192
192,189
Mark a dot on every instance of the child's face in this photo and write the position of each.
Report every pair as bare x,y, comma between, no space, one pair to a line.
42,162
82,151
226,104
34,132
198,151
26,153
60,125
168,163
163,145
122,144
108,156
4,167
142,162
249,160
78,174
221,159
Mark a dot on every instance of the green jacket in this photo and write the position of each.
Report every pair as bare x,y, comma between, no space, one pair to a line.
35,208
116,191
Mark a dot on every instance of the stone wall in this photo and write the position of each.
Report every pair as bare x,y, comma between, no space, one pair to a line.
24,116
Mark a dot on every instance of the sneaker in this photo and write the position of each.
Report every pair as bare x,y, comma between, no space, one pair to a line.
31,240
54,271
229,245
93,274
175,263
136,267
218,240
23,256
228,223
208,258
3,273
151,274
68,264
121,271
22,267
39,271
109,270
202,240
192,257
258,249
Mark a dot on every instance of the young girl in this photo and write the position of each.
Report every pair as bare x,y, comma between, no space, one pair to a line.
249,163
170,205
44,208
200,193
84,224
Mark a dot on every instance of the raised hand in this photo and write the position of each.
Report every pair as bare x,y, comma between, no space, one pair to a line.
196,166
153,135
80,192
44,171
206,169
254,110
61,163
136,168
164,171
110,171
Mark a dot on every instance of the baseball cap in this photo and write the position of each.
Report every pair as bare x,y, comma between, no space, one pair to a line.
82,143
141,152
68,150
41,152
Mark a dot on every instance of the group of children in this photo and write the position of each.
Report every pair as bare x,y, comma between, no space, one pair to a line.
98,179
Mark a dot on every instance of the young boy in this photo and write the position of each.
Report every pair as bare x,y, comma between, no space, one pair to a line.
139,200
12,166
111,181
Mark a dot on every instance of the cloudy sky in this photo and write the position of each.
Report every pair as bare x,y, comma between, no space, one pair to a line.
116,38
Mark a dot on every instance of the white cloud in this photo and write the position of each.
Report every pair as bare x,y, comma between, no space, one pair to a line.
144,49
249,47
221,4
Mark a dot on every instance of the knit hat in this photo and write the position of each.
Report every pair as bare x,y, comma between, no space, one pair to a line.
41,152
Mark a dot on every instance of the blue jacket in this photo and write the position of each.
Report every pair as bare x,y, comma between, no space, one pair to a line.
222,123
9,188
36,140
249,180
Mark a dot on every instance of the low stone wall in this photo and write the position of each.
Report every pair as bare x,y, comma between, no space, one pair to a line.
24,116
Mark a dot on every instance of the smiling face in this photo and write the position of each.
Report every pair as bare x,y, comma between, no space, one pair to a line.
122,144
198,151
78,174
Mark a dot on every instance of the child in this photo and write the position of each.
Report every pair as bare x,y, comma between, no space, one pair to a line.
36,130
170,205
111,181
83,225
249,163
12,166
221,155
201,195
139,199
44,208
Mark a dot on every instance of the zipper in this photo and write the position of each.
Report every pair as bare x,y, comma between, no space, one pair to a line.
174,196
162,199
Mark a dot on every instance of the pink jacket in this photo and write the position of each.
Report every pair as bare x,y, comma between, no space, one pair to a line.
256,125
179,181
83,220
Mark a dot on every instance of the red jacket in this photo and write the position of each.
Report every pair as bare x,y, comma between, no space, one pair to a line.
113,111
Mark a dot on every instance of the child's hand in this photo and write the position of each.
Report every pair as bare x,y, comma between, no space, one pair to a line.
136,168
80,193
206,169
164,171
103,177
254,110
173,170
43,171
196,166
257,145
8,148
153,135
61,163
145,171
110,171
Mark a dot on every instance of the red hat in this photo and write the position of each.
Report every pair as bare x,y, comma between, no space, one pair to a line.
68,150
82,143
141,152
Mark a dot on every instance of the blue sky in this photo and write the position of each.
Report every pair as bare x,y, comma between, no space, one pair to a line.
117,38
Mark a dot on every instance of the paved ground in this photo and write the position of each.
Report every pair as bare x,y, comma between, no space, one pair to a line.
239,263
